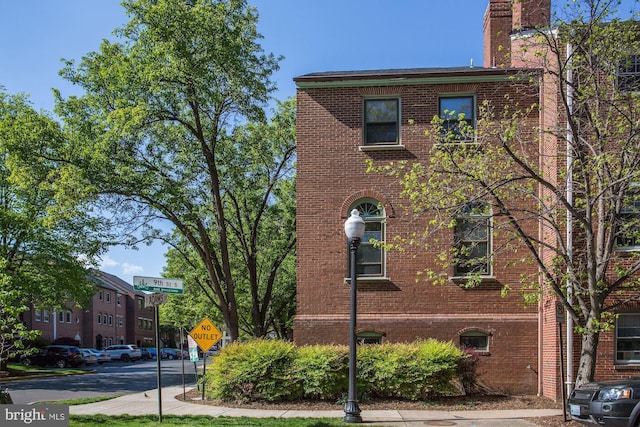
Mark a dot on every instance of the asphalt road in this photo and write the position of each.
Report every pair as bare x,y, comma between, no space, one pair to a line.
110,378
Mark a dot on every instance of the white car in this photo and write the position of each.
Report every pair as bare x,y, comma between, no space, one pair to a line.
124,352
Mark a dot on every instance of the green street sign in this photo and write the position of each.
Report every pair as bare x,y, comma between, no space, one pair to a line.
158,284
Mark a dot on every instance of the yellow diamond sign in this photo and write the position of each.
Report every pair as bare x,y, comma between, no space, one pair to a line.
205,334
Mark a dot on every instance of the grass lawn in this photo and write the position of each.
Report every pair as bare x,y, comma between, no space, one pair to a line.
17,370
173,420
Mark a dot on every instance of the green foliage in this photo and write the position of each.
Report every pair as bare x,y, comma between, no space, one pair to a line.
273,370
49,235
409,370
322,371
171,130
259,369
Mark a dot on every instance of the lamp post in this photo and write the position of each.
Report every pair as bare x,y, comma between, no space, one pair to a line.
354,229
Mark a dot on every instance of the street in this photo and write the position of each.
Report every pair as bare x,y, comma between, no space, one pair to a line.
111,378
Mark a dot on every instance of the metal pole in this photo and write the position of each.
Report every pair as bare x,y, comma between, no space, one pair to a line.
159,370
351,409
184,387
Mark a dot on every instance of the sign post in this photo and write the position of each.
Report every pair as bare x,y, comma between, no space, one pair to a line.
160,288
205,335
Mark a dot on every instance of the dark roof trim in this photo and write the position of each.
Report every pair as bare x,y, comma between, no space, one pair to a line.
409,76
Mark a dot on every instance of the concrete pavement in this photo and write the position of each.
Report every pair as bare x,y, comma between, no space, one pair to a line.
146,403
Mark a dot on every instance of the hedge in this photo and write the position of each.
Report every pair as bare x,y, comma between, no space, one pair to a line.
273,370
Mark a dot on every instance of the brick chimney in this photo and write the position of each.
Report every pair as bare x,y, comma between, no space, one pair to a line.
528,14
497,29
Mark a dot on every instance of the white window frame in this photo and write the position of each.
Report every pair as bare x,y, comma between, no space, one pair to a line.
366,207
632,336
366,123
474,333
489,241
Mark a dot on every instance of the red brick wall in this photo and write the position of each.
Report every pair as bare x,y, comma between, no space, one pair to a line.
331,175
497,29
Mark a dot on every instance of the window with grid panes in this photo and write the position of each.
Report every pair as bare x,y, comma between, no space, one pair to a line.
628,338
370,256
472,242
381,124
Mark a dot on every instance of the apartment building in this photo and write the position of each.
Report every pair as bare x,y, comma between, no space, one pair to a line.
115,315
348,118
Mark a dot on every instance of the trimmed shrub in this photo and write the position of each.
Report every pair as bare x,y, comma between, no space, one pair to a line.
323,371
271,370
257,370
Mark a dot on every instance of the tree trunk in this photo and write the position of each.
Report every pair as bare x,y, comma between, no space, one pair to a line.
587,365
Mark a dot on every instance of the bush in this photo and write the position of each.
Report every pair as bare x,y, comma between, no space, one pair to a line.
272,370
322,371
257,370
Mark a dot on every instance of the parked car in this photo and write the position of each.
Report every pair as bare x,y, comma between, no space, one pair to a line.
170,353
153,352
60,356
606,403
89,358
101,356
124,352
145,354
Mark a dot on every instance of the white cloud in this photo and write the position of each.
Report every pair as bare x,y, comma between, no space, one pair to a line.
130,269
107,261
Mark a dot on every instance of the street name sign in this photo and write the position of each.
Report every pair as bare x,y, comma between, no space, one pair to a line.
205,334
158,284
154,299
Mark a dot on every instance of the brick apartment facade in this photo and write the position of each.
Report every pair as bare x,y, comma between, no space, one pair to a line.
115,315
518,347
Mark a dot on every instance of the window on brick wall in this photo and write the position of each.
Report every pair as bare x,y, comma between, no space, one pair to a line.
628,236
381,124
38,315
109,297
369,338
458,118
101,295
61,317
99,319
628,338
628,74
371,256
45,316
476,340
68,316
472,240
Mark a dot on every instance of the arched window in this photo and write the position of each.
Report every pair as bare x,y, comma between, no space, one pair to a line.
370,260
472,240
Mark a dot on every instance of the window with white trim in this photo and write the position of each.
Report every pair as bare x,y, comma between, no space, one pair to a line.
628,338
371,254
381,123
458,118
472,240
474,339
628,74
628,236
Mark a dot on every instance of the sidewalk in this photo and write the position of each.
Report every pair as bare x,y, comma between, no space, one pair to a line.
147,404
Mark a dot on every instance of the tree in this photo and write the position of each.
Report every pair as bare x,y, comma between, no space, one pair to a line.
582,170
155,132
47,233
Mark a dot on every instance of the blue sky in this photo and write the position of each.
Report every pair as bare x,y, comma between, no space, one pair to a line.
313,36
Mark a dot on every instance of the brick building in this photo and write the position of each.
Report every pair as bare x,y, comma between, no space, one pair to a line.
115,315
345,119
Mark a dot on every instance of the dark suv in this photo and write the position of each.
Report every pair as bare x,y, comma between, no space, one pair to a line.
60,356
607,403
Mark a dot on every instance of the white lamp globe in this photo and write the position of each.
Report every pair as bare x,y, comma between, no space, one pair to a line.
354,226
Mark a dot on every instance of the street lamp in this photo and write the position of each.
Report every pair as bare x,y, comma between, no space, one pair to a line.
354,229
